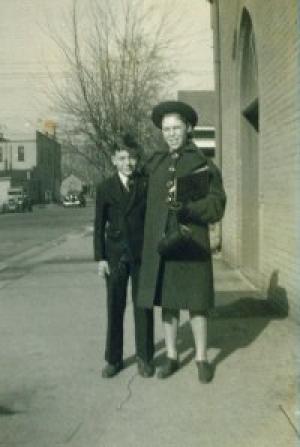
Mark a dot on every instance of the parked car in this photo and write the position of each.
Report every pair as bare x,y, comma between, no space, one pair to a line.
82,199
71,200
11,206
19,204
24,203
74,199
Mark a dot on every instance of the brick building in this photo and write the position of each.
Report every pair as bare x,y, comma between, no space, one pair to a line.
256,46
34,162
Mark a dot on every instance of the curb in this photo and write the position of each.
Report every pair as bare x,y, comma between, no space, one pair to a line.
41,248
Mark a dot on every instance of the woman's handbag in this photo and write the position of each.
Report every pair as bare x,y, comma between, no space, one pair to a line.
175,237
183,241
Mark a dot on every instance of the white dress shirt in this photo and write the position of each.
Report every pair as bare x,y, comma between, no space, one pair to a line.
124,179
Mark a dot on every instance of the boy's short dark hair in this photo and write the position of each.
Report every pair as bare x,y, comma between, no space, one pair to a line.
133,152
127,144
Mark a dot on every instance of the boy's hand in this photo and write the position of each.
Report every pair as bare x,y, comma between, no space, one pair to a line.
103,269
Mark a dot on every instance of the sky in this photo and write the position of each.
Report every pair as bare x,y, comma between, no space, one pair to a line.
27,54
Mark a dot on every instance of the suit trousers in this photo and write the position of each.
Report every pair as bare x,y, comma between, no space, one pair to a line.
117,282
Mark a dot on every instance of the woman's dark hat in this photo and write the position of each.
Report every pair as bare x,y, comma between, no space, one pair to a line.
166,107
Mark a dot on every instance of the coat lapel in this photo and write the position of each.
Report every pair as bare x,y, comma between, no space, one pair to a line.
191,159
117,194
116,189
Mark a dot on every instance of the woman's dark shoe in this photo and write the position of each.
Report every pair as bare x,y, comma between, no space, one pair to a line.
111,369
205,371
145,369
170,366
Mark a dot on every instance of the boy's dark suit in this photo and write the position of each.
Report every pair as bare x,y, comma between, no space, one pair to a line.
118,238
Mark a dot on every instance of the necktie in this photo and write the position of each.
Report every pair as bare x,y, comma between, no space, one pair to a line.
130,183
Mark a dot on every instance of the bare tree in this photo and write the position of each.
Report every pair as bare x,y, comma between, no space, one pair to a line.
117,70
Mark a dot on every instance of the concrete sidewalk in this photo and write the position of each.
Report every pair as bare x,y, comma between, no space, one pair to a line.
53,322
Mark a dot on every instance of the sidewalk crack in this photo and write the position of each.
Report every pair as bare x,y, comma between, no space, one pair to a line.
129,392
281,408
73,433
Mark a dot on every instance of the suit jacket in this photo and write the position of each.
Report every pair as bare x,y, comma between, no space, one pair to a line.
119,219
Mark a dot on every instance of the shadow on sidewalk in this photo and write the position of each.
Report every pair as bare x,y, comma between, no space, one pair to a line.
5,411
236,325
231,326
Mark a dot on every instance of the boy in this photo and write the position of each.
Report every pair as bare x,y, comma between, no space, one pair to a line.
118,241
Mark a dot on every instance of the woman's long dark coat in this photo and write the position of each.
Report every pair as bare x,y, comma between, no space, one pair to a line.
184,284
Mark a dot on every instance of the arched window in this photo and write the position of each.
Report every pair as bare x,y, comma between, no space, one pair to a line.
249,150
249,73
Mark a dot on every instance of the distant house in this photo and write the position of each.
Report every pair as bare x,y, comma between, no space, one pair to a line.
34,162
4,187
203,101
71,183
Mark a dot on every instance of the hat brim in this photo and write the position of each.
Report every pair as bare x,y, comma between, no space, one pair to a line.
181,108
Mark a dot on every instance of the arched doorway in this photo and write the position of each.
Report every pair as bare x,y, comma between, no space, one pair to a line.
249,146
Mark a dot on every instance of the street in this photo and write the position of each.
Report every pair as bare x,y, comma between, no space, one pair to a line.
53,320
23,231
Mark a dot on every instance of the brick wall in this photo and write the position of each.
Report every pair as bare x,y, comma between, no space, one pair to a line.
275,28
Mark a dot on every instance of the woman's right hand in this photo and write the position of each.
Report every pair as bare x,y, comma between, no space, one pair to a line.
103,268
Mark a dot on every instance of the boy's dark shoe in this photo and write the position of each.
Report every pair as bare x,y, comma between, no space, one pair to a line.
145,369
110,370
205,371
169,367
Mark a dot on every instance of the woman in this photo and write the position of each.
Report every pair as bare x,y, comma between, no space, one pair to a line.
185,282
